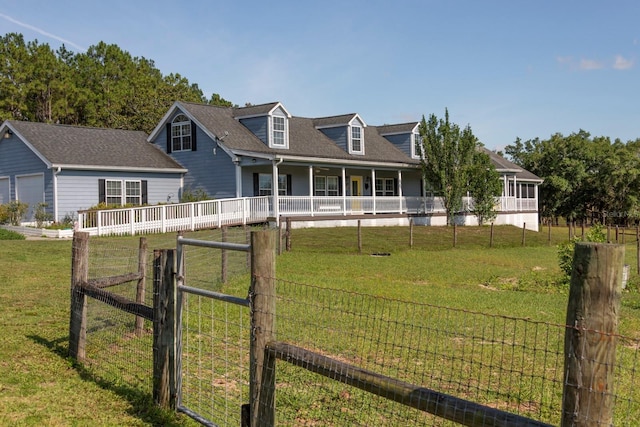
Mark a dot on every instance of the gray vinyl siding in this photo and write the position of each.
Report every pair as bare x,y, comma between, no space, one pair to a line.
78,190
213,173
338,135
259,126
401,141
18,159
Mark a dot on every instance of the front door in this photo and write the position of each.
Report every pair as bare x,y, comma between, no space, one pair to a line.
356,190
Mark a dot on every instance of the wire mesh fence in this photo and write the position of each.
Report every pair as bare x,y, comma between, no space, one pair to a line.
512,364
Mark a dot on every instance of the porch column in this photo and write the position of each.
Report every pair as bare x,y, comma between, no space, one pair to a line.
515,194
373,189
238,178
275,193
310,180
400,189
535,195
344,191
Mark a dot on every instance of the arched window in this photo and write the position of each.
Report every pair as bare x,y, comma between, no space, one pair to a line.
181,133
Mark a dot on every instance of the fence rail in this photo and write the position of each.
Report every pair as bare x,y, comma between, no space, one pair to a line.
250,210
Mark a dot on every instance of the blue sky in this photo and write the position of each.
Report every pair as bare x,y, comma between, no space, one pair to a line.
506,68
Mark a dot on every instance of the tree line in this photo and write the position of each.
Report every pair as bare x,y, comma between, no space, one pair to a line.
586,178
102,87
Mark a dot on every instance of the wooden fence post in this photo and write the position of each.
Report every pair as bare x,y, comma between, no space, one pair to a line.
142,283
288,235
590,337
164,328
638,249
79,275
491,236
359,237
549,234
524,230
411,233
455,235
223,255
262,296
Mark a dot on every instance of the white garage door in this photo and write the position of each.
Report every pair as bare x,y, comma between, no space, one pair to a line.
30,189
5,191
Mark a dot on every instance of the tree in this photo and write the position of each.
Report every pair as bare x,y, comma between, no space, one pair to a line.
484,186
447,156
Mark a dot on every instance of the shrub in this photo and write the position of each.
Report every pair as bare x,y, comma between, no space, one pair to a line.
189,195
566,249
16,210
41,215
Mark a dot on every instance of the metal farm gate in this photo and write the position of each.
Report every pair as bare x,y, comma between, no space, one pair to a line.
212,350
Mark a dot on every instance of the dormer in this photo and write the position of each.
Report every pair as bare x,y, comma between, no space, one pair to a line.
405,136
347,131
269,122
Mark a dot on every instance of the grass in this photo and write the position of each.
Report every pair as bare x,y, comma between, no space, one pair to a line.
41,386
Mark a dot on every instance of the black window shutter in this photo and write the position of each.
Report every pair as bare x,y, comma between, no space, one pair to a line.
289,189
101,191
168,138
395,187
194,145
256,185
145,199
340,186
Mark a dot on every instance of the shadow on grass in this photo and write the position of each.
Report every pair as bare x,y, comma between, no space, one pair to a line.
142,405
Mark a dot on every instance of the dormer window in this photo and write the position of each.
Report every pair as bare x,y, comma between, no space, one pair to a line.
279,131
181,133
416,149
355,145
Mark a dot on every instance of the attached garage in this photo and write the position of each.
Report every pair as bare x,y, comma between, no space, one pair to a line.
30,190
5,191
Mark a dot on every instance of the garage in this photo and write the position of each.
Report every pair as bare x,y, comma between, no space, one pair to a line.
5,191
30,190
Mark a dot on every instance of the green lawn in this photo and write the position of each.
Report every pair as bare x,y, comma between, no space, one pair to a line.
40,386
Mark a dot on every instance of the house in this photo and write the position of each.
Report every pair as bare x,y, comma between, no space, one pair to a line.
73,168
319,166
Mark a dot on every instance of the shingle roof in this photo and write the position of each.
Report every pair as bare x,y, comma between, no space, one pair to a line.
304,139
505,165
254,110
93,147
397,128
342,119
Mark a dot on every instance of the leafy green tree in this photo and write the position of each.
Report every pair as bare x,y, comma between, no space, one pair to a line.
14,77
447,156
484,186
216,99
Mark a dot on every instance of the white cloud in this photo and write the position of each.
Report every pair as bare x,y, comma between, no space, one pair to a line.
590,64
43,32
621,63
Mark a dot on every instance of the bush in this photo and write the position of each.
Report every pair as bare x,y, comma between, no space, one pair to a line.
197,195
566,249
15,210
41,215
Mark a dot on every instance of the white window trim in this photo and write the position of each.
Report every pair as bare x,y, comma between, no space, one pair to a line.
384,192
351,130
123,191
325,189
272,131
180,124
415,140
282,190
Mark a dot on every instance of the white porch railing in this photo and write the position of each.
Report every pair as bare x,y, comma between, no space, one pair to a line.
246,210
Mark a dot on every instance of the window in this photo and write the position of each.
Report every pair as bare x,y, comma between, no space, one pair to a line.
133,195
279,131
114,193
264,185
417,145
526,191
327,186
181,133
122,192
385,187
356,139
